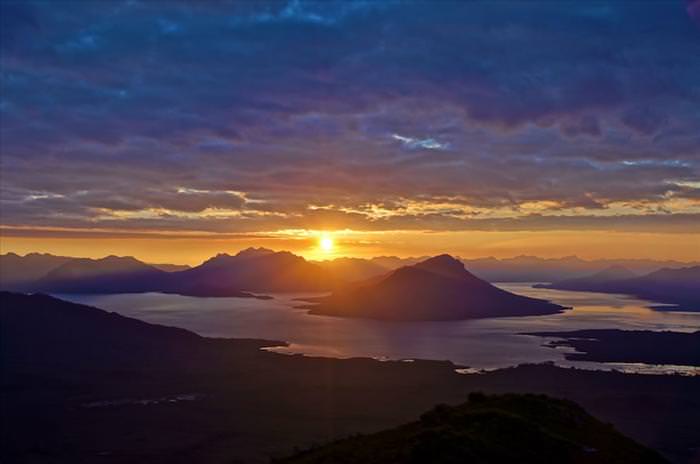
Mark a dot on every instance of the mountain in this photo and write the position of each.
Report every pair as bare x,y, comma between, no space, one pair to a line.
253,270
43,272
676,286
490,429
16,270
112,274
679,287
170,267
536,269
516,269
439,288
43,334
394,262
611,274
352,269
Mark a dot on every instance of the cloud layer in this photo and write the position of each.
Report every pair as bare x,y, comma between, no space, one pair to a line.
251,117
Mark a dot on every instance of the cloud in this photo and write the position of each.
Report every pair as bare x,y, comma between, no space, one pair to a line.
414,143
242,115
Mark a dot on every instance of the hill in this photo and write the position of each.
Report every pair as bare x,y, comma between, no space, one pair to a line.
439,288
252,270
16,270
490,429
112,274
43,335
680,287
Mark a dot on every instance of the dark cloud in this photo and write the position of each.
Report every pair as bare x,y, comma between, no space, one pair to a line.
230,115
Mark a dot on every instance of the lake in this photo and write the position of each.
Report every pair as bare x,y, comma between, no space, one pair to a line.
480,344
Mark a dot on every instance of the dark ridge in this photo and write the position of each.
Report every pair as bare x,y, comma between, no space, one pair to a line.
527,429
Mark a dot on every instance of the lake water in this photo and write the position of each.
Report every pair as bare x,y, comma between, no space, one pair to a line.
477,344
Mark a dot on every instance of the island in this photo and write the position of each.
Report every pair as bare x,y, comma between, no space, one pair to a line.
439,288
629,346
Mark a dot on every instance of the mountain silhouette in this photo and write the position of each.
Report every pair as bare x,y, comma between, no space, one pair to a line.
611,274
516,269
489,429
439,288
112,274
679,287
17,271
252,270
43,334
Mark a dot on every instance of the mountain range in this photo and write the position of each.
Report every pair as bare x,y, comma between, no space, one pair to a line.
260,270
250,270
439,288
679,287
516,269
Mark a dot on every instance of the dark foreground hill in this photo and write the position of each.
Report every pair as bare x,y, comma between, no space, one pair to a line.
438,288
490,429
79,384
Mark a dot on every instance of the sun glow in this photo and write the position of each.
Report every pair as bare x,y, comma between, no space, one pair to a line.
325,243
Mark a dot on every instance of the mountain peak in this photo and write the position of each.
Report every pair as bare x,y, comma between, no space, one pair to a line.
445,265
252,252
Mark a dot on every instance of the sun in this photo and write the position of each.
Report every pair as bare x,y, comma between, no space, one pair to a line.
326,243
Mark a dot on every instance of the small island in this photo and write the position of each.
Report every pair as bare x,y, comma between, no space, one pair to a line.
645,346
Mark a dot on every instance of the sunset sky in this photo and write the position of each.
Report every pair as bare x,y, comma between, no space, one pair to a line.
173,130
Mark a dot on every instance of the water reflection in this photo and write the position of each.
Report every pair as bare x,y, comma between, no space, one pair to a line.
477,344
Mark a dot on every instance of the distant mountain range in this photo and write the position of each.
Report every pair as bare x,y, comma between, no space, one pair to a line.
517,269
260,270
112,274
680,287
439,288
535,269
251,270
16,270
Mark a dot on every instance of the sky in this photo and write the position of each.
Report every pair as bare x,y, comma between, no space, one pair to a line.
173,130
